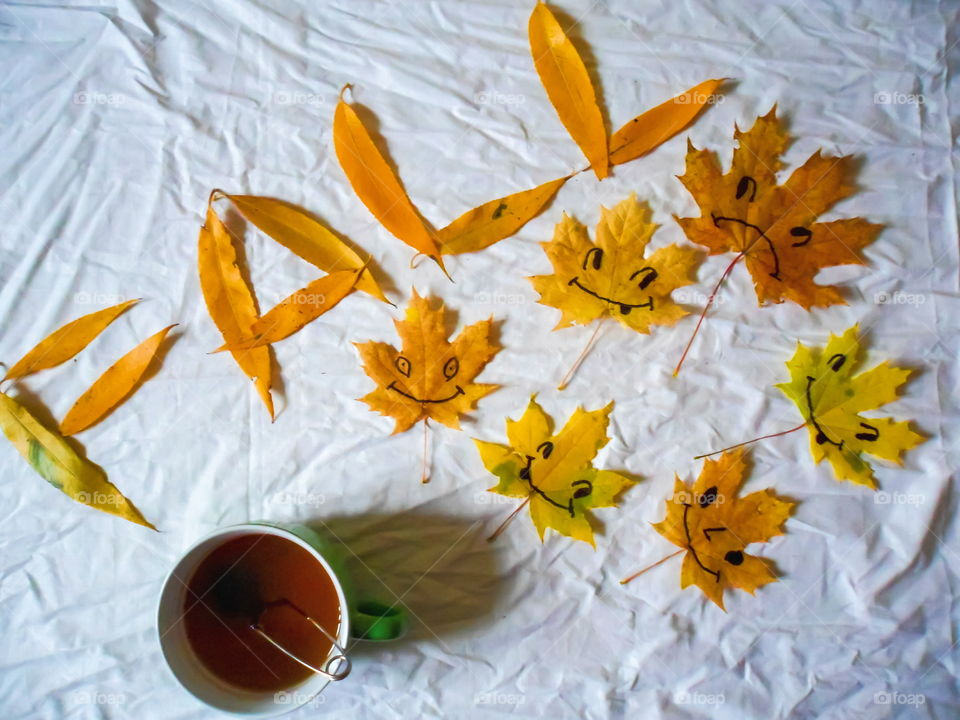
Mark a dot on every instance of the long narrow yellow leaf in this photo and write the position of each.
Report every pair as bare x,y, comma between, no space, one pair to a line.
61,466
657,125
376,185
495,220
115,385
567,83
230,302
293,313
304,236
66,342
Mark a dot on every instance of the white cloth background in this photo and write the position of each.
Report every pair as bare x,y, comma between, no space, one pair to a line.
116,120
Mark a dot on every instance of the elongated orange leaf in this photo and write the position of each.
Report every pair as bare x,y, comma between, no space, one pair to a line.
230,302
293,313
495,220
568,85
376,184
303,236
66,342
657,125
58,462
111,388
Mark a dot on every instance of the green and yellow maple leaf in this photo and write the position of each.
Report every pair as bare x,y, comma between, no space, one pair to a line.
555,472
830,398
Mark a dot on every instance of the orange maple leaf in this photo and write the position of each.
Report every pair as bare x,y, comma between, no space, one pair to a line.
714,527
430,377
774,227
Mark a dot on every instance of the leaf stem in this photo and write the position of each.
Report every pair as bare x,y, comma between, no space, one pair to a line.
424,476
747,442
706,307
511,516
576,364
650,567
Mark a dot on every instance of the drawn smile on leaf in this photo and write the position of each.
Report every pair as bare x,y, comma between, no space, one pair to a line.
594,259
734,557
748,184
872,433
450,370
581,488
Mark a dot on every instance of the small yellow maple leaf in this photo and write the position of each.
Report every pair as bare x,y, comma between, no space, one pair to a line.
612,277
830,398
715,526
774,227
431,377
555,471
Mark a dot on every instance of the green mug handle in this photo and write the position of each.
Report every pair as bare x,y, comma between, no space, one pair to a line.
372,620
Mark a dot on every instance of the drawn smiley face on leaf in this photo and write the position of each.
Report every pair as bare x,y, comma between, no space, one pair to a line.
830,397
774,227
555,471
612,277
429,377
715,527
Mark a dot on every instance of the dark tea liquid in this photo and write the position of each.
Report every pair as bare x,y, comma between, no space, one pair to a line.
261,578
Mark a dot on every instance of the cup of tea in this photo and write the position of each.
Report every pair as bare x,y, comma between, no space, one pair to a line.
255,619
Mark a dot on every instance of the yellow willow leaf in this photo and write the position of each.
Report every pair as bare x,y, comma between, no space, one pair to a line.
495,220
115,385
304,237
66,342
568,85
302,307
61,466
230,302
376,185
657,125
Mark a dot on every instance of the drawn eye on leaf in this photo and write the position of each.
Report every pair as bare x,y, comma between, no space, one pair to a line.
553,473
747,185
450,368
402,365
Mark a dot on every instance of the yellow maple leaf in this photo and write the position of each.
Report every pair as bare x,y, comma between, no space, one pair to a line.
430,377
555,471
715,526
830,398
774,227
612,276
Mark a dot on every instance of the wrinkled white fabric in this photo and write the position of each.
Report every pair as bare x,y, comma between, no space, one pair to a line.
118,118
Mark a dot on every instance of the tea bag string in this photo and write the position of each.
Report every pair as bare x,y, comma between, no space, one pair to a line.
335,668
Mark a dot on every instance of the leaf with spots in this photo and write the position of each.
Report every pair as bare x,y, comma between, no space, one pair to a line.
493,221
429,376
775,228
56,460
553,472
714,526
830,396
